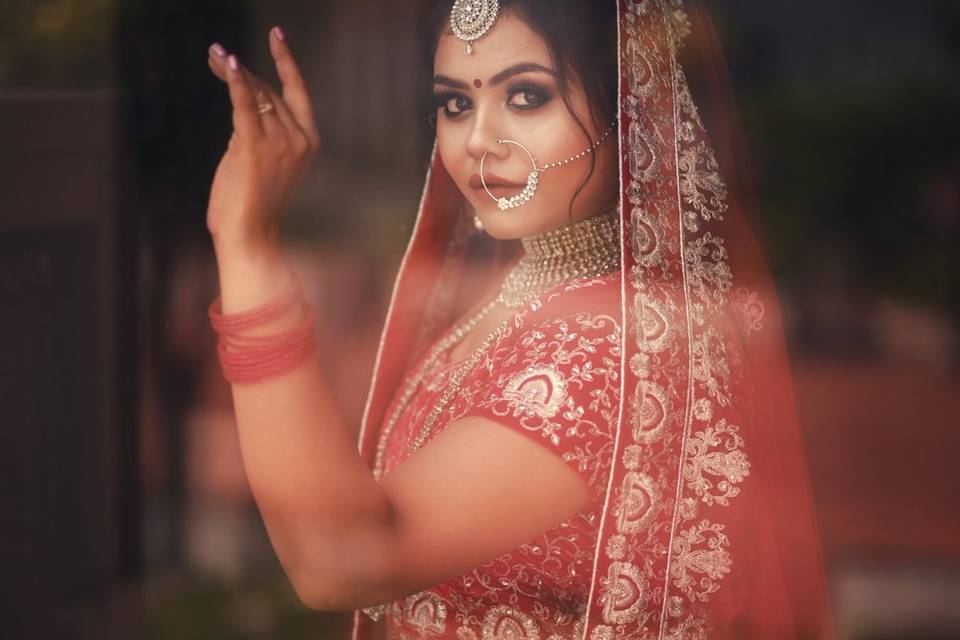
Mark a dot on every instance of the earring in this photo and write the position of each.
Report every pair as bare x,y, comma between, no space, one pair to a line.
477,223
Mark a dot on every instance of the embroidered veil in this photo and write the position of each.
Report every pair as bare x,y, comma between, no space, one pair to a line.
707,528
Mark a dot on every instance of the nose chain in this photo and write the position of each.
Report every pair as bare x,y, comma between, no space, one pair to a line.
533,178
583,153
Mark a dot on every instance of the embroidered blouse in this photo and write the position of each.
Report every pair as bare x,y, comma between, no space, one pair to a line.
554,376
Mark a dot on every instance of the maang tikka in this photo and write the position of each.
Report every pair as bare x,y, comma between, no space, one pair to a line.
470,19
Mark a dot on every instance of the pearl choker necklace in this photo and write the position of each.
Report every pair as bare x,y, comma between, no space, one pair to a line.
587,248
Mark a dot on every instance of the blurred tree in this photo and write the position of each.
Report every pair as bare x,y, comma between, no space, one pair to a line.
62,44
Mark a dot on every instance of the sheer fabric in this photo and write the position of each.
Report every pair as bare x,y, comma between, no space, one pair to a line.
703,525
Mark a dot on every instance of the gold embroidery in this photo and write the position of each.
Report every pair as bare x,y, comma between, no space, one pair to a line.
506,623
426,612
711,368
708,273
701,186
680,282
701,560
568,387
643,159
729,464
538,391
639,501
602,632
691,628
626,593
649,413
376,612
539,395
656,323
466,633
750,307
617,547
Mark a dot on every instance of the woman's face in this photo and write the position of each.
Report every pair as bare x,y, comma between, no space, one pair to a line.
508,89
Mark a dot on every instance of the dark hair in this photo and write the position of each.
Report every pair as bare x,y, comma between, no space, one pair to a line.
581,36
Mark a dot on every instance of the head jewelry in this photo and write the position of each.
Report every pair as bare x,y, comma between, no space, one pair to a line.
470,19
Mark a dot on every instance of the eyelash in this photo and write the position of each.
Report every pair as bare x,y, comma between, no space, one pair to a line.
542,95
440,100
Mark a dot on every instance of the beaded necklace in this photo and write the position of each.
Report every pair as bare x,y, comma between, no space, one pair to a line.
588,248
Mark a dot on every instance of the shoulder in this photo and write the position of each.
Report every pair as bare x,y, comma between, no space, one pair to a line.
585,297
574,323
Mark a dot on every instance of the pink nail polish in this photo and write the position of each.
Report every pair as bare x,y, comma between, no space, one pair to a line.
232,61
280,35
218,49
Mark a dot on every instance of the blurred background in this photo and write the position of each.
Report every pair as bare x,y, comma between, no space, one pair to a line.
126,510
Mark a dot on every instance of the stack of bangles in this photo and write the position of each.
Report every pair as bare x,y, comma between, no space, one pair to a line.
247,359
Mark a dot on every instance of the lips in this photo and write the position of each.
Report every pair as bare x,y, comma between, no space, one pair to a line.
493,180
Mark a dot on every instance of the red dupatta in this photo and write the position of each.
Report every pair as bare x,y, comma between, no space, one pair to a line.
708,529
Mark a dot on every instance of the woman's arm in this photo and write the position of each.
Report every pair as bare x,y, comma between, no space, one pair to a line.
345,540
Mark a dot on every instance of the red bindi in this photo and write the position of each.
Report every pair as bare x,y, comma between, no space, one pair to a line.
477,83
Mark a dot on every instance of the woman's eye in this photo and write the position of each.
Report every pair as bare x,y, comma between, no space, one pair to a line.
528,98
451,103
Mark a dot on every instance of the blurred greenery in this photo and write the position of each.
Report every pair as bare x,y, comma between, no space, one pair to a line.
192,608
851,172
57,44
855,144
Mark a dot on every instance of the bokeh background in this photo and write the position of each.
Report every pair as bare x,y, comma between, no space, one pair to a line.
126,512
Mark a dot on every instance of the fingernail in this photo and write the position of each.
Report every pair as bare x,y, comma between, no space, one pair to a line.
218,49
232,61
280,35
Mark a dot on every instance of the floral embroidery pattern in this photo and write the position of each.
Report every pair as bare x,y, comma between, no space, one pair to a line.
751,307
554,377
537,391
682,457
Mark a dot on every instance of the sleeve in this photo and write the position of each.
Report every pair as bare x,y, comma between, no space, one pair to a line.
557,382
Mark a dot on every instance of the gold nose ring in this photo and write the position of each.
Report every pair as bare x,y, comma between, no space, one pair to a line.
533,180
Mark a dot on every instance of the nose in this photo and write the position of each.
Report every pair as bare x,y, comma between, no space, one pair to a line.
482,138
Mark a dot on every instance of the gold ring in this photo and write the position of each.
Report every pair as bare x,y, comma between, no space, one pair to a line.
266,107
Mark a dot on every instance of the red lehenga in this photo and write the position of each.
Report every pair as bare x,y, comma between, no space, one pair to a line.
554,376
665,385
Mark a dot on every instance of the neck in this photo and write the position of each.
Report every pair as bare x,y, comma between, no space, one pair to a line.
599,233
588,248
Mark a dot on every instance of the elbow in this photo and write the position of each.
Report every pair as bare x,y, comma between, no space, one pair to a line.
346,592
347,581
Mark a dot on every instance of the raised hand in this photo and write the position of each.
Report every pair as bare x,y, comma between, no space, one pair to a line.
274,139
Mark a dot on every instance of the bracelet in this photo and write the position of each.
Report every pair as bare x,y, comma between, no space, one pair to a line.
265,313
246,359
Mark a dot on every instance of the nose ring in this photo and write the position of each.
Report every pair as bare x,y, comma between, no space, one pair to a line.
533,180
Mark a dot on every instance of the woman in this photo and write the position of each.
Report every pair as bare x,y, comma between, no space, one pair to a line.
604,444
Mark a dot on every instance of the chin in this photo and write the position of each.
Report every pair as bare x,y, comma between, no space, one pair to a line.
514,224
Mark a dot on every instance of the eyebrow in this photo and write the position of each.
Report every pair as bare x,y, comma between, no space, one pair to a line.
503,76
523,67
449,82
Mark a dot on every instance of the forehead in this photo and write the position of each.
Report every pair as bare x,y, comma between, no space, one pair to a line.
508,42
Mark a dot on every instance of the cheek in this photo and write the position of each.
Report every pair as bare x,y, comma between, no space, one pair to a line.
446,148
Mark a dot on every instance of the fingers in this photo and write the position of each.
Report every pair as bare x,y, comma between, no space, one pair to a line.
283,120
217,59
264,94
294,88
246,118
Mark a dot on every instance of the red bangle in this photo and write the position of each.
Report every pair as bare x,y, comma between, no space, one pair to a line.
247,359
260,315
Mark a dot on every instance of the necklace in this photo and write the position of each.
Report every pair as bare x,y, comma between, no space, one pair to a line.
588,248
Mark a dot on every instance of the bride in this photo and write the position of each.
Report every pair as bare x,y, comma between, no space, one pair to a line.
601,443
